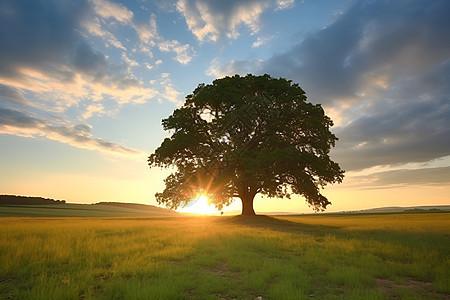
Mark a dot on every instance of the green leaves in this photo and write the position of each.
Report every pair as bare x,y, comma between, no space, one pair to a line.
252,134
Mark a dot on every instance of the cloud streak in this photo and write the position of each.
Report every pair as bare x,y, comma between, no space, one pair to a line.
425,176
22,124
12,95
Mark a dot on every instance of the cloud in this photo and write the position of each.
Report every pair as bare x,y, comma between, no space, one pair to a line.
383,69
169,91
13,95
218,69
426,176
93,109
260,41
149,37
93,27
184,53
54,64
48,64
212,20
111,10
285,4
22,124
148,32
46,31
396,133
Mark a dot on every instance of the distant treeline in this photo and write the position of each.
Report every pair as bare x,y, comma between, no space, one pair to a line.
22,200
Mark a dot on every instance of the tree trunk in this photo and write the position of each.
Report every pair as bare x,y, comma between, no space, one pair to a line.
247,205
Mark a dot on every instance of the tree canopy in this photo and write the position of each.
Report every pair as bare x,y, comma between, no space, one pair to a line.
241,136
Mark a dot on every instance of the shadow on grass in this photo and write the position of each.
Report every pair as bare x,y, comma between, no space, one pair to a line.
273,223
412,239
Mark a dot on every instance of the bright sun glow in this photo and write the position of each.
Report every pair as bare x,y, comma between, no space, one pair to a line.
200,206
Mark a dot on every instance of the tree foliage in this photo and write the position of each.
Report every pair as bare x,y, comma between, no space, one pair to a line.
241,136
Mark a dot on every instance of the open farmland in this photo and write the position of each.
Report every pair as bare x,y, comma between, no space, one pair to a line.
84,210
379,256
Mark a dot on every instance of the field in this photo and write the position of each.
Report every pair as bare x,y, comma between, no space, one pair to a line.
83,210
378,256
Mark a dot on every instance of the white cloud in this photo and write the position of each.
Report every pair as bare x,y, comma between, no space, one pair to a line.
23,124
149,37
184,53
212,20
94,28
148,33
171,94
93,109
168,92
285,4
260,41
111,10
130,62
58,95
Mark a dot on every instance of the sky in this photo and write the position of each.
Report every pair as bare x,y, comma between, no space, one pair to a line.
85,84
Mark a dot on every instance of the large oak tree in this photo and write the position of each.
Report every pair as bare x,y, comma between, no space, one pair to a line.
241,136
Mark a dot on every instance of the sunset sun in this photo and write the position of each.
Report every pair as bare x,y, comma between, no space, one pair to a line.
200,205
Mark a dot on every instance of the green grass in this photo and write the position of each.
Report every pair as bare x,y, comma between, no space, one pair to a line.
384,256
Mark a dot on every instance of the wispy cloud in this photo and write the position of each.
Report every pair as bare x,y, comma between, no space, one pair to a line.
148,32
425,176
219,69
150,38
22,124
260,41
93,109
93,27
209,20
285,4
184,53
11,94
111,10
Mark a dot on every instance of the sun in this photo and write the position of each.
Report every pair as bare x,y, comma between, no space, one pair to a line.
200,206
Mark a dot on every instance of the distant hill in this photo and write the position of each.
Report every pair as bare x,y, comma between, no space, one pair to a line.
394,209
20,206
23,200
137,206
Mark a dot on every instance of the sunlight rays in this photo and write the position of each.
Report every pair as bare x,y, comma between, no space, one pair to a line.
200,205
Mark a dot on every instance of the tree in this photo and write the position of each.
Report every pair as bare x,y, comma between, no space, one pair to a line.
241,136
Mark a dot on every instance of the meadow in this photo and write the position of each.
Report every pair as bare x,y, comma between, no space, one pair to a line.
379,256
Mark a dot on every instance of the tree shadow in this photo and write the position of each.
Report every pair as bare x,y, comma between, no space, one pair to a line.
319,230
276,224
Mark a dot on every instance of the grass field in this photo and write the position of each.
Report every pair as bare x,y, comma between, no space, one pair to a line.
380,256
83,210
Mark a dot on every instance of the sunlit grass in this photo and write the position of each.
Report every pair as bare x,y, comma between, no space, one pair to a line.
322,256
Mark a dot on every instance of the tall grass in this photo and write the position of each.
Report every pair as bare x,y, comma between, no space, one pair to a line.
327,257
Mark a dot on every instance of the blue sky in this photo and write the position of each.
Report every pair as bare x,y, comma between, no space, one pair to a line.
84,86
